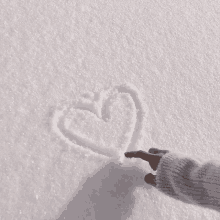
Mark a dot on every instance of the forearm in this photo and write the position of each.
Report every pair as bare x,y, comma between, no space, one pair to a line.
189,180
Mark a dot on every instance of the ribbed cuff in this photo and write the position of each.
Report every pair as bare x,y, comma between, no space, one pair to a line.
165,167
169,178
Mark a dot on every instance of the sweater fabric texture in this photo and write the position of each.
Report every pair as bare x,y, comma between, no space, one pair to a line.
190,180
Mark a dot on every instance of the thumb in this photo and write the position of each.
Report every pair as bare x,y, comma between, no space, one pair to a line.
150,179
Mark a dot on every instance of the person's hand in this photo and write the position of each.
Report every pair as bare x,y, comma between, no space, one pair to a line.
153,156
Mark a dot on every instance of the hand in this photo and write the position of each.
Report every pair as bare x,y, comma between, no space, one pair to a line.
153,157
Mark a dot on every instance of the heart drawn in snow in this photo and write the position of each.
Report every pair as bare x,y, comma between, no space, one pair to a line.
108,123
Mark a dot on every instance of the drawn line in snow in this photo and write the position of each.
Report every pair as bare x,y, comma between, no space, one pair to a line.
141,113
79,140
134,134
57,126
99,104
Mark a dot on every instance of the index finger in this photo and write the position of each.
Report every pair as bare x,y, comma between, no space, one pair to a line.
140,154
146,156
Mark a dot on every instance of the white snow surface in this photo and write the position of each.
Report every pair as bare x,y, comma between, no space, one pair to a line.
81,82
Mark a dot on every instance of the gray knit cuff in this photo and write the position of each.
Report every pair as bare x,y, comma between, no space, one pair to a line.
167,171
165,167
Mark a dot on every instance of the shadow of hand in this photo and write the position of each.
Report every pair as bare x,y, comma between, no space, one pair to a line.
106,194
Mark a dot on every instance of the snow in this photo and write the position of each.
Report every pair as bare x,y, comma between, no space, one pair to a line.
108,128
83,82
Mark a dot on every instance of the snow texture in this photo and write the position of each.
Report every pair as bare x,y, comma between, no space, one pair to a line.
108,123
70,69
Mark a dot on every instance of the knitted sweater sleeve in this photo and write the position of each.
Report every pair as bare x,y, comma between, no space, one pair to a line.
190,180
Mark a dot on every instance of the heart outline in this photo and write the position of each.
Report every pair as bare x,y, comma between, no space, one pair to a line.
84,141
137,135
